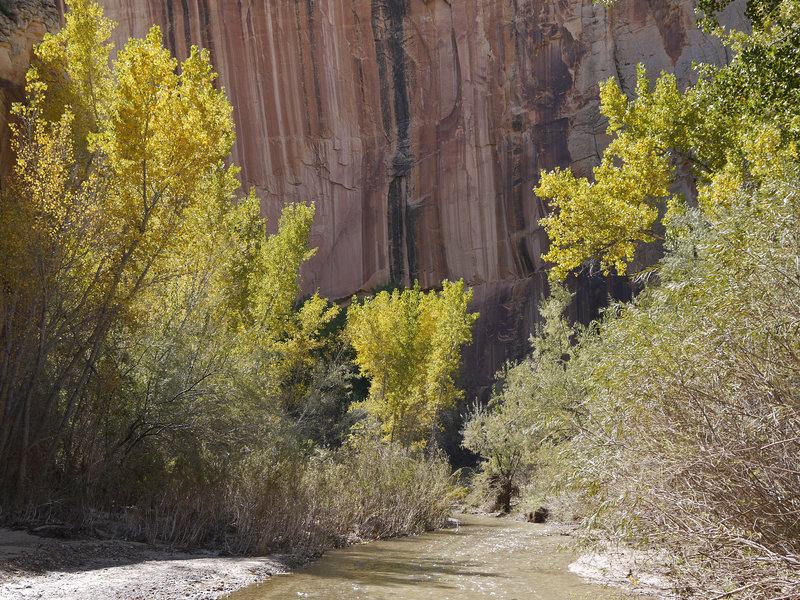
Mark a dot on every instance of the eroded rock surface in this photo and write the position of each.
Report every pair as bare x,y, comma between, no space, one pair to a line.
23,24
419,126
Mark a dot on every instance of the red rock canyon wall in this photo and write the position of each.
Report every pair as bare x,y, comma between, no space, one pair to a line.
419,126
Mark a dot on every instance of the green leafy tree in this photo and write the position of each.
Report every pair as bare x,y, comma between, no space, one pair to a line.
539,406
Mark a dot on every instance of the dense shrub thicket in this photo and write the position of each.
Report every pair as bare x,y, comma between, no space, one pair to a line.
301,505
676,417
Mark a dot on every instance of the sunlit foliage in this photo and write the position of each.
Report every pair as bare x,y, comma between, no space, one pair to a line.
118,165
715,130
408,343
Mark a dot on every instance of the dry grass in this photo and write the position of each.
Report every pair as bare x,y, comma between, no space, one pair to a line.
369,492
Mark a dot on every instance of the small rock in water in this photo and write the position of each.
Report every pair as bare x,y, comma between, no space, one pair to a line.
540,515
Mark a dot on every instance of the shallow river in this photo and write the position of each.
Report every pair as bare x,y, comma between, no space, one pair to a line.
484,557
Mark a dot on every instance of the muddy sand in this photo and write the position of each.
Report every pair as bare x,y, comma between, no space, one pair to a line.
54,569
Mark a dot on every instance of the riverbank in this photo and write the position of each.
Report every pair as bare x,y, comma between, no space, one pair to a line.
55,569
635,571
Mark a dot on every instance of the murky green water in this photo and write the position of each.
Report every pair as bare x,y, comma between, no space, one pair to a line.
484,557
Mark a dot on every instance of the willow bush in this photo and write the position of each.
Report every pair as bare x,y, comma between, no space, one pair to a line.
693,399
676,419
301,505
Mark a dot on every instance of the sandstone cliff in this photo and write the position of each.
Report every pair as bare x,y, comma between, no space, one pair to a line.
419,126
23,23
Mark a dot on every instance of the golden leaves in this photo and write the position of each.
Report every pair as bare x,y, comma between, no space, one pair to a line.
408,343
606,219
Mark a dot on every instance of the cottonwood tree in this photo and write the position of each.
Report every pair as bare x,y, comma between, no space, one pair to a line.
132,282
408,343
111,161
717,129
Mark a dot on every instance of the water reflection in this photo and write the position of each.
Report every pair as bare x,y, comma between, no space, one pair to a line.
484,557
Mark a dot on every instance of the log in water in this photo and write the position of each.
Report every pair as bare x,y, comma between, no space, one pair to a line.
484,557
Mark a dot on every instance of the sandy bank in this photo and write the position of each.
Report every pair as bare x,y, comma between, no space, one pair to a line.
635,571
52,569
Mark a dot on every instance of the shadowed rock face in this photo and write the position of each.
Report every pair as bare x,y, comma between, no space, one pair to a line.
419,126
23,24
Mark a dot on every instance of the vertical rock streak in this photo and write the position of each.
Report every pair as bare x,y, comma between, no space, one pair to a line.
388,27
